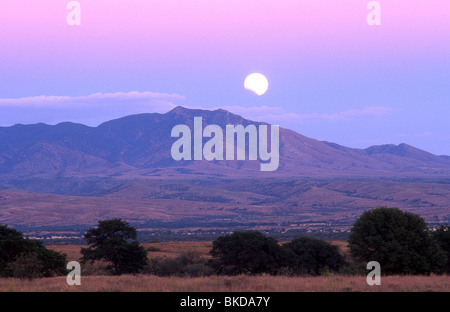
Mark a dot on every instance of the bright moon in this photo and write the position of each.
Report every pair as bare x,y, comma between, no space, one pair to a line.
256,83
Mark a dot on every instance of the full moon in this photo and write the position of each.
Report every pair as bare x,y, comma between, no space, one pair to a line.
257,83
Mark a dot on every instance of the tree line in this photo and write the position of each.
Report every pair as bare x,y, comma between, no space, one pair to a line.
400,241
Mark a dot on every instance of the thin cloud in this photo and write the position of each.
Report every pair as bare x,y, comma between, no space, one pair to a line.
99,107
278,115
89,110
351,113
93,99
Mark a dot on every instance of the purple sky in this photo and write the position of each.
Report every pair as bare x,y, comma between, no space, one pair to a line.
331,76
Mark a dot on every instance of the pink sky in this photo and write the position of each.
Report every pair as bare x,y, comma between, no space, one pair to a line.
320,56
218,29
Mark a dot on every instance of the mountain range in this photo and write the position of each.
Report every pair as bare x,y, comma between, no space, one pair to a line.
58,180
138,146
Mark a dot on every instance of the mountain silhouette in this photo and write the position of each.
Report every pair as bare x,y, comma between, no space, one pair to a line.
138,146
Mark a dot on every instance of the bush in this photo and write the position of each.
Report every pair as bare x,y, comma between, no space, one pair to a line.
248,252
311,256
25,258
442,236
189,264
25,266
398,240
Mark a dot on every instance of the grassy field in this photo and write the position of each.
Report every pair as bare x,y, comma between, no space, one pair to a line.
263,283
168,249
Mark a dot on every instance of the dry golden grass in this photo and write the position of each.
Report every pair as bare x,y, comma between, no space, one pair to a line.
173,249
264,283
166,249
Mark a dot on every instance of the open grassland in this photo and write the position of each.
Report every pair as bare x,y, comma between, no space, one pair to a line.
168,249
264,283
91,281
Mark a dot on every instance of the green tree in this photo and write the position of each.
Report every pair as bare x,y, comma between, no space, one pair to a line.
398,240
115,241
442,237
26,258
313,256
246,252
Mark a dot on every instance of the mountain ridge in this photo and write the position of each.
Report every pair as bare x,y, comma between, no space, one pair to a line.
139,146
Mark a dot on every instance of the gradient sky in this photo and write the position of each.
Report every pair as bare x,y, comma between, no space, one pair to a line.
331,76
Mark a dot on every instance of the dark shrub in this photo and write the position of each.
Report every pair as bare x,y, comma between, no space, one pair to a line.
311,256
188,263
442,237
248,252
27,258
398,240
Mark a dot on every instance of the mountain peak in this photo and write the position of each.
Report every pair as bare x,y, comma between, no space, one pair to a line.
179,109
402,149
137,145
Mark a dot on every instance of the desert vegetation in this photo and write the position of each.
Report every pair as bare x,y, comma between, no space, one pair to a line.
412,258
25,258
94,278
239,283
398,240
115,242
